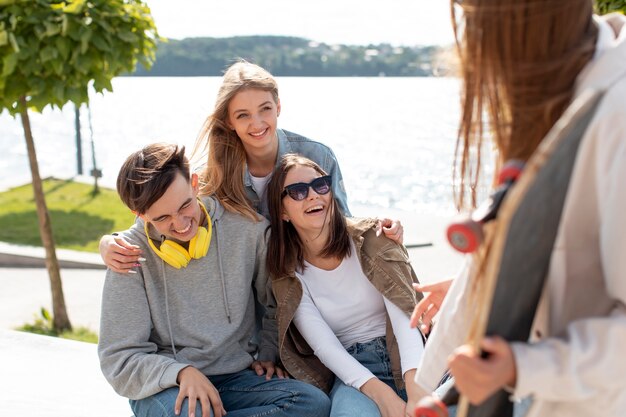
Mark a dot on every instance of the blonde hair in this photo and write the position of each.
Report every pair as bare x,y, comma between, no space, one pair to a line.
519,60
223,175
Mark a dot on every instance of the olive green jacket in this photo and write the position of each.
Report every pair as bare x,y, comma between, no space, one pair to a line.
386,264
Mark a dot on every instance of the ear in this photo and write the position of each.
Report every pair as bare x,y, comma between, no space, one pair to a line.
285,217
278,108
195,184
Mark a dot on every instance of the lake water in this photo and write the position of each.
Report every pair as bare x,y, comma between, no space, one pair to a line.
394,137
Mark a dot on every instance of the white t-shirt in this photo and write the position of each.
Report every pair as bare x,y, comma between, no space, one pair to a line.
340,308
260,184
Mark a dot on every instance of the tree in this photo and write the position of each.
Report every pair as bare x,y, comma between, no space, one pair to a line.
51,52
609,6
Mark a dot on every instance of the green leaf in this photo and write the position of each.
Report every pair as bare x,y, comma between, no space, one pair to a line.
52,28
102,83
100,43
13,21
6,2
13,41
4,38
9,62
64,25
76,95
57,66
127,36
48,53
85,37
58,91
63,46
45,314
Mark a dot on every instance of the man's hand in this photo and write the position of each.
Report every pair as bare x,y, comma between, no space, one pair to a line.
269,369
391,228
428,306
478,378
119,255
195,386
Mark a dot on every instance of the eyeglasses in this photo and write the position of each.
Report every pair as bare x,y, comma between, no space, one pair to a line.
300,190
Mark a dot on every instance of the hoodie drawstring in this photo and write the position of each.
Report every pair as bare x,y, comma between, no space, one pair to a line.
219,260
167,305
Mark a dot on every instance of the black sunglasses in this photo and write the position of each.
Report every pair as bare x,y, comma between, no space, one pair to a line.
300,190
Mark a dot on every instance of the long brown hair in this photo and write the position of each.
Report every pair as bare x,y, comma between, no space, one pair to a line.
285,250
223,175
519,60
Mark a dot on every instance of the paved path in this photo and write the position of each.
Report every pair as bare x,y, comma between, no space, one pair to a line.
51,377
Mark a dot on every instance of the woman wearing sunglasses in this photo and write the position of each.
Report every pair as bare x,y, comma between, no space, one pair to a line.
344,297
241,144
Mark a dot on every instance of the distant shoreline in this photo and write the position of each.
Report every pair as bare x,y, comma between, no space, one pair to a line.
291,56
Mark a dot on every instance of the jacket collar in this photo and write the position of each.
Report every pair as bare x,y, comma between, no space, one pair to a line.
356,230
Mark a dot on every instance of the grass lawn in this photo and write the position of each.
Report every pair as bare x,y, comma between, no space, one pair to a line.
78,217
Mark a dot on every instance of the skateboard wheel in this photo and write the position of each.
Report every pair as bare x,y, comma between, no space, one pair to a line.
431,407
465,236
510,171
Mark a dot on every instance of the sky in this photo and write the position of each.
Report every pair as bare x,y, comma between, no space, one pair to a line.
351,22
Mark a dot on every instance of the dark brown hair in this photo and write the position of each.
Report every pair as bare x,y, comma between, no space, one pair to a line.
519,62
146,174
285,250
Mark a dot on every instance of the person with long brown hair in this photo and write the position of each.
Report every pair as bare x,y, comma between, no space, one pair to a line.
343,297
523,62
239,145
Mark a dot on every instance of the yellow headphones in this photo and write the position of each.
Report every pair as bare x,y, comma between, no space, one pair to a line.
176,255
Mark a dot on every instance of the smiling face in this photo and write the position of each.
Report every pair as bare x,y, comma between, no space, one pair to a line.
177,214
312,213
253,115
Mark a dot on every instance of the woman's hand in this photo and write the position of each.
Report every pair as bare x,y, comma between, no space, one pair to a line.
118,255
428,306
478,378
391,228
414,392
388,402
268,368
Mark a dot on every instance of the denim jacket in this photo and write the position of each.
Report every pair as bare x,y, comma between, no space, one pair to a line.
386,264
321,154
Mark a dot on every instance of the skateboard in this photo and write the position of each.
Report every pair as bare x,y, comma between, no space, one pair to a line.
514,257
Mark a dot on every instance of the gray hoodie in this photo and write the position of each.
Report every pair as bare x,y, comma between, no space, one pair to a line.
160,320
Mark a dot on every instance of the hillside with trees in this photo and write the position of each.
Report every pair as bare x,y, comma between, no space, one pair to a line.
289,56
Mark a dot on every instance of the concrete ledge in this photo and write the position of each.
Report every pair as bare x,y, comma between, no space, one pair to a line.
52,377
22,256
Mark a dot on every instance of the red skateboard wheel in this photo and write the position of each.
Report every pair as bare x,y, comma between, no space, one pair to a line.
510,171
465,236
431,407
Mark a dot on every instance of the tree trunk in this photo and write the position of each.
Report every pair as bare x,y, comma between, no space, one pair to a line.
61,320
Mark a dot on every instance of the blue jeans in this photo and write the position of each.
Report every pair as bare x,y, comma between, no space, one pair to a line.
348,401
245,394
